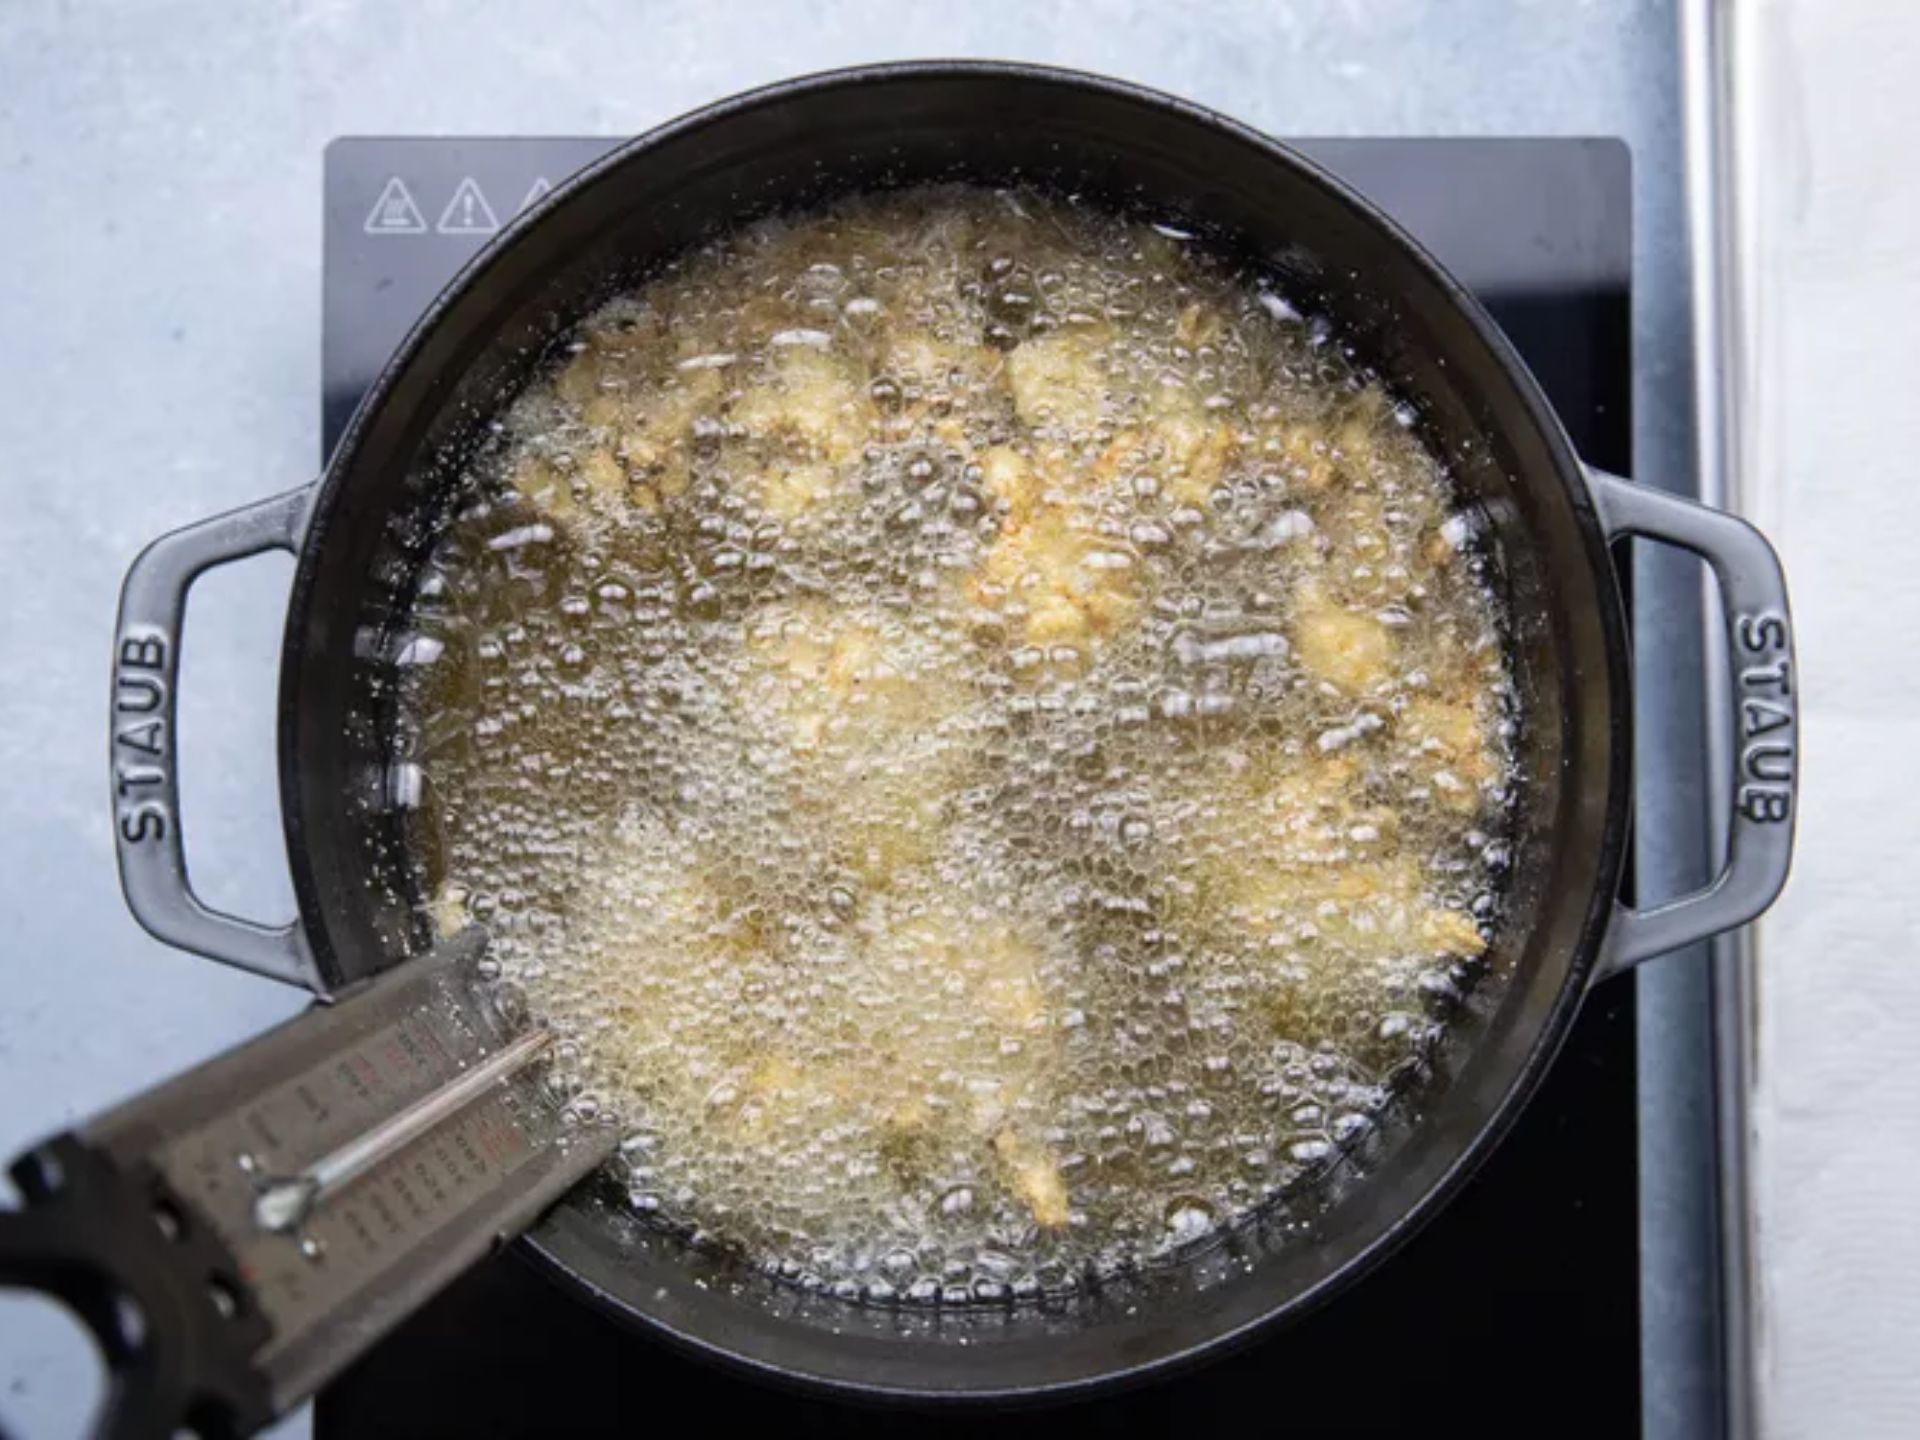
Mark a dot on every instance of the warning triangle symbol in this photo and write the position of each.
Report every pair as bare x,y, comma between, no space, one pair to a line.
394,213
467,213
538,191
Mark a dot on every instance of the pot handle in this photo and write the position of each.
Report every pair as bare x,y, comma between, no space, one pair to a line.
1766,719
143,758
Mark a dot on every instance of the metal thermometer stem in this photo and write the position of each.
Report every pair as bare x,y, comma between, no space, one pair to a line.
284,1204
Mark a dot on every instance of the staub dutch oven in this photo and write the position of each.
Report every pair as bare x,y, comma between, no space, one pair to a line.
361,531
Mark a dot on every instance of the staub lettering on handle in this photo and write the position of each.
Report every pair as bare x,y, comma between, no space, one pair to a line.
140,752
1768,744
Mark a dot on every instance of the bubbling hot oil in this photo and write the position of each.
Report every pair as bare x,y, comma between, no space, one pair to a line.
981,730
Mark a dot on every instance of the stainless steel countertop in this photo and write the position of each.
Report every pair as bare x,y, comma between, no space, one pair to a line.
159,345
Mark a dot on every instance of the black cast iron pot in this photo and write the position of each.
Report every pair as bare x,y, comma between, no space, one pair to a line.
361,531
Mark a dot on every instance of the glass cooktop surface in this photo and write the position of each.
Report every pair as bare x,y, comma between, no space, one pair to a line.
1521,1295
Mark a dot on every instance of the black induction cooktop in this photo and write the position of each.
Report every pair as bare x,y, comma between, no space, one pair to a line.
1514,1311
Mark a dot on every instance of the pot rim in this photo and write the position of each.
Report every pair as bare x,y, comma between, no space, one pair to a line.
545,1243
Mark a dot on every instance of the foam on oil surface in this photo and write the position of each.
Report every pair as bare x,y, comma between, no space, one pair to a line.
981,730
